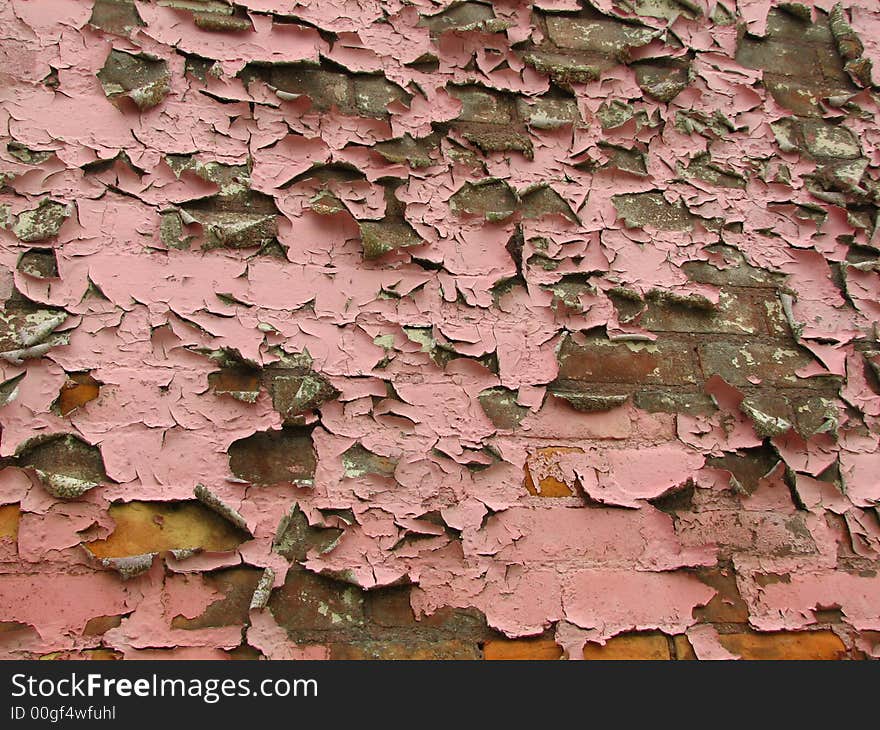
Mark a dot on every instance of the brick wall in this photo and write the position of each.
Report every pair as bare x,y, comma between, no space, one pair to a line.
441,331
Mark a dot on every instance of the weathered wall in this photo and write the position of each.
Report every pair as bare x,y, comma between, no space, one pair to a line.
379,329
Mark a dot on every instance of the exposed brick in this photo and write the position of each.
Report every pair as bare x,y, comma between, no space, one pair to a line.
768,363
10,515
814,414
414,152
115,16
481,105
544,460
683,649
312,602
390,607
67,465
498,138
240,384
372,95
101,625
465,15
294,395
295,537
640,647
727,606
501,407
237,586
149,527
781,58
775,319
379,238
771,414
600,36
601,360
736,313
626,160
566,69
732,270
544,200
236,217
829,140
783,25
747,466
663,83
800,97
703,168
492,199
803,645
324,88
79,389
447,649
639,210
547,112
521,649
41,223
144,80
357,461
270,457
39,263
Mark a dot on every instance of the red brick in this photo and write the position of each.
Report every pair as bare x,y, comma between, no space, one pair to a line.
308,601
736,313
271,457
602,361
237,587
772,364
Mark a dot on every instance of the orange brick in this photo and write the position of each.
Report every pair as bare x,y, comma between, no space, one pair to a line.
785,645
151,527
544,460
9,517
639,647
101,625
79,389
683,648
521,649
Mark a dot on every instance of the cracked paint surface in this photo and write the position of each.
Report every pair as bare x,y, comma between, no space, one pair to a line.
439,329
